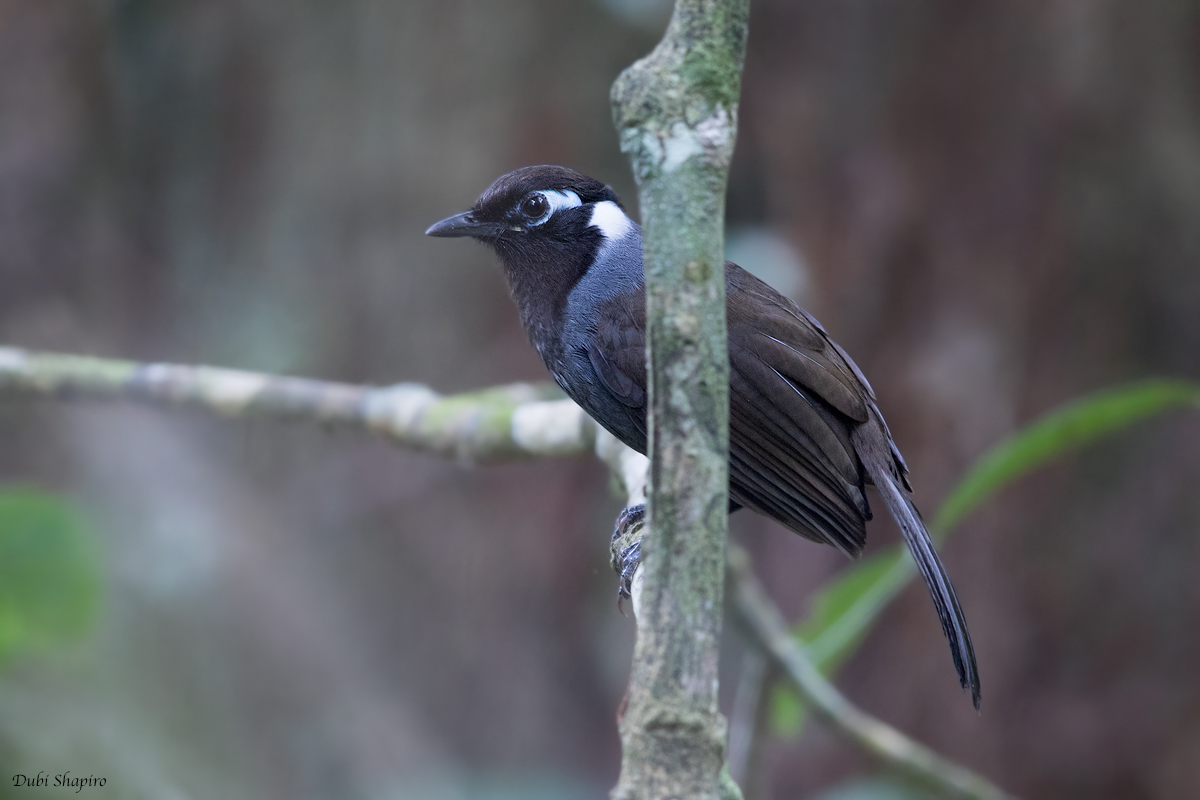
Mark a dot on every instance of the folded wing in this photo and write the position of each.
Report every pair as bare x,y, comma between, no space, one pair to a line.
804,432
792,401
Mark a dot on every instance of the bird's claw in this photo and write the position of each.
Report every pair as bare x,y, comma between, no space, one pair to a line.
626,549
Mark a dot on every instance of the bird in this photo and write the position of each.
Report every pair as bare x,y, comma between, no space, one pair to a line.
805,432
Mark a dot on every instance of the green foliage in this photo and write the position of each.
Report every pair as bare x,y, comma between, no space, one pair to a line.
873,789
49,571
844,610
786,710
1068,428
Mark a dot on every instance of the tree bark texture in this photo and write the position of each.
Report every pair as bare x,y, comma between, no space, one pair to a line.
676,113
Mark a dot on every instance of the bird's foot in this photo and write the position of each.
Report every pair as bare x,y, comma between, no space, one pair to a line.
626,548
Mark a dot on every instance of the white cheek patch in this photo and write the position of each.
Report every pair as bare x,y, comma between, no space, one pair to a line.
611,221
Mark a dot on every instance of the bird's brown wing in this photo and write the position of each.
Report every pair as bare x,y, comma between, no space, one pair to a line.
793,382
792,401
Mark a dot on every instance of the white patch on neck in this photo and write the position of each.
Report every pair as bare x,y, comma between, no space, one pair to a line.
611,220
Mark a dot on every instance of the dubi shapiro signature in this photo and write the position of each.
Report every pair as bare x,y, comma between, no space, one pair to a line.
62,779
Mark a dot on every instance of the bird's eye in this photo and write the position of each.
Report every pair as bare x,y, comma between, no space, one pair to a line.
534,206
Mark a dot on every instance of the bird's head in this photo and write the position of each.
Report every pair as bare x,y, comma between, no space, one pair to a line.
542,216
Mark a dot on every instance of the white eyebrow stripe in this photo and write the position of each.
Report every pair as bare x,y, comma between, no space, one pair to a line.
561,199
611,220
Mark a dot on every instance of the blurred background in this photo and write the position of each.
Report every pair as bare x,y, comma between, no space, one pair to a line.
994,206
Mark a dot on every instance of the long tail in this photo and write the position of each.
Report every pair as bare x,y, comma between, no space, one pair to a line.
875,452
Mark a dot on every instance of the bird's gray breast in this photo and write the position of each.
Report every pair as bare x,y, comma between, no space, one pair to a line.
615,271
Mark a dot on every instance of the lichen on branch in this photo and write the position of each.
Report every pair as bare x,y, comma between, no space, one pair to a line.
503,422
676,114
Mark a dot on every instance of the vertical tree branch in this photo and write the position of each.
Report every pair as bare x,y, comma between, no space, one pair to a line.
676,112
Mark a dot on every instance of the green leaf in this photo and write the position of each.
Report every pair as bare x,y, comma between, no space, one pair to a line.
874,789
844,610
49,573
1067,428
786,710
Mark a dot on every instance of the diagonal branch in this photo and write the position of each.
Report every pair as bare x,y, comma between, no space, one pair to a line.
504,422
766,625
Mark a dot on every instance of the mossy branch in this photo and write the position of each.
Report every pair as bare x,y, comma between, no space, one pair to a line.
503,422
676,114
